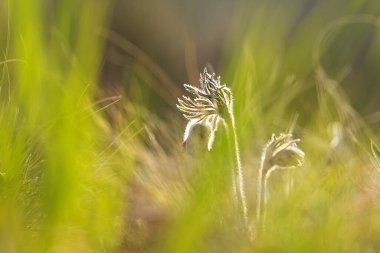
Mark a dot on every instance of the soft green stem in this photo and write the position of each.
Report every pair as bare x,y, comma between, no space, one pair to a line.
264,167
260,184
240,176
266,190
263,191
234,189
233,176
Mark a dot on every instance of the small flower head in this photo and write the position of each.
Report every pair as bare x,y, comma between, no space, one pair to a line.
212,102
284,152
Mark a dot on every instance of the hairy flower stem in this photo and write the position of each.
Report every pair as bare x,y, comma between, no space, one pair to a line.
239,172
264,168
263,190
259,185
234,188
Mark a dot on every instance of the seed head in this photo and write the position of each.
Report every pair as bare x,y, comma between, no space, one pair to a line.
211,104
284,152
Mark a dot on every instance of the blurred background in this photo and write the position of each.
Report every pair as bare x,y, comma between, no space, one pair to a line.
91,154
176,39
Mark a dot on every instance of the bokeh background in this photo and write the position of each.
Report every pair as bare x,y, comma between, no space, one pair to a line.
182,37
91,154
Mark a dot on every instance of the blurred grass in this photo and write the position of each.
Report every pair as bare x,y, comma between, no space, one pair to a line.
59,192
79,173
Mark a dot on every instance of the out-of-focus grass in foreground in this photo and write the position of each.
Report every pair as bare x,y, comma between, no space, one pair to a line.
58,191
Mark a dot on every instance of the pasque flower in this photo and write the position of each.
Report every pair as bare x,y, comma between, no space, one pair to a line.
211,105
281,152
208,107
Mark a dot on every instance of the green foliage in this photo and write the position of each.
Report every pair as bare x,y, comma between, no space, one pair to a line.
74,178
58,190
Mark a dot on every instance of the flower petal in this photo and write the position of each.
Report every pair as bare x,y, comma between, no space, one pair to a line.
285,145
190,125
194,90
210,140
212,123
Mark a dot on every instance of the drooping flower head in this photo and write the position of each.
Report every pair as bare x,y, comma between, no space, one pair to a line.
283,151
211,104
